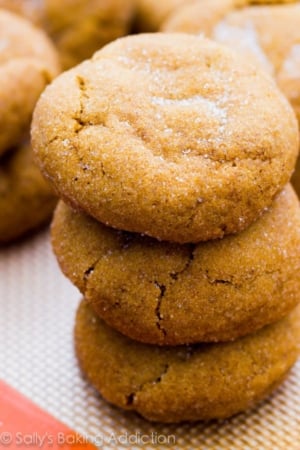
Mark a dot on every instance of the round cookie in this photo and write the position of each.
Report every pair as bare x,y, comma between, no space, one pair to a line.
167,294
172,136
188,383
78,27
26,200
28,62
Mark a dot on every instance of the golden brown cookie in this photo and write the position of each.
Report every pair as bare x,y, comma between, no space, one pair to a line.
169,294
172,136
28,62
78,27
187,383
26,200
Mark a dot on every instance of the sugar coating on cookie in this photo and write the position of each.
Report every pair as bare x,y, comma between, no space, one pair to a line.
26,200
172,136
78,27
186,383
28,62
168,294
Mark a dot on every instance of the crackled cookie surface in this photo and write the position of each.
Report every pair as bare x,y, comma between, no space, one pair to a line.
162,293
172,136
28,62
185,383
26,200
78,27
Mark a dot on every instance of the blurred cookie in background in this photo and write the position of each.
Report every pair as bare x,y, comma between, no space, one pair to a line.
28,62
150,14
77,27
26,199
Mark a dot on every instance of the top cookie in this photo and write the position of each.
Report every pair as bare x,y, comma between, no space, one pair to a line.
172,136
28,62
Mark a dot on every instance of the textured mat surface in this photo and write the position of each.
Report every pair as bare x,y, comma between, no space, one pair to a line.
37,309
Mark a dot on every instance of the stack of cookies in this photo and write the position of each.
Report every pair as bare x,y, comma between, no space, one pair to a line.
172,156
28,62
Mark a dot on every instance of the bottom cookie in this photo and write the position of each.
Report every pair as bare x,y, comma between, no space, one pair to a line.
185,383
26,200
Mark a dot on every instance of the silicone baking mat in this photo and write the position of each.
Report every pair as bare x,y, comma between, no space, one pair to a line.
37,358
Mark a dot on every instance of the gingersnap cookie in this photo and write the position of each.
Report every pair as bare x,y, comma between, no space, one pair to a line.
186,383
26,200
28,62
78,27
172,136
167,294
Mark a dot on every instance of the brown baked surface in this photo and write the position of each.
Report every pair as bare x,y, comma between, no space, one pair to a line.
185,383
172,136
162,293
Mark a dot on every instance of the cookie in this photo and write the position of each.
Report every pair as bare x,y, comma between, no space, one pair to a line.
28,62
187,383
167,294
172,136
26,200
78,27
